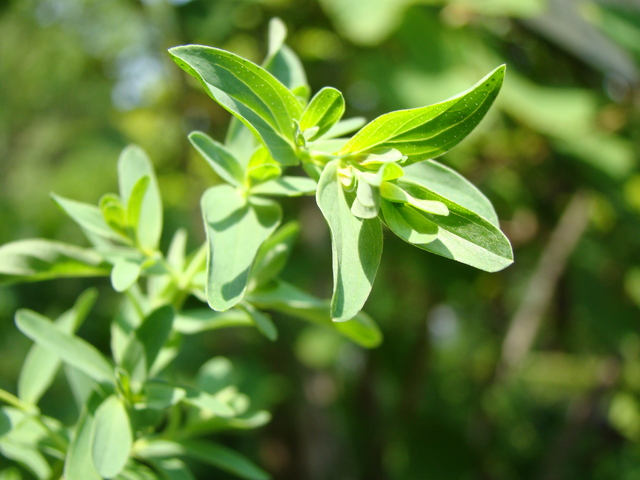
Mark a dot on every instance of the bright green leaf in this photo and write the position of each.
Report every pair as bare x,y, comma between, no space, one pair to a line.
408,224
235,230
394,193
134,164
78,464
286,186
111,438
124,274
324,111
208,403
200,320
356,245
427,132
136,201
344,127
248,91
172,469
71,349
38,259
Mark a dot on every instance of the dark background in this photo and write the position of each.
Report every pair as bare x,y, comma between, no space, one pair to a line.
530,373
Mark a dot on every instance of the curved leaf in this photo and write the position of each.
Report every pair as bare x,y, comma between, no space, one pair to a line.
249,92
427,132
324,111
220,159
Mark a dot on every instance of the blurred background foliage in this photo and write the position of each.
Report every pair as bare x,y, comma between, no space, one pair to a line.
531,373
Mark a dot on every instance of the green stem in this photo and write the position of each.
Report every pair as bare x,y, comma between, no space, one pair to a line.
16,402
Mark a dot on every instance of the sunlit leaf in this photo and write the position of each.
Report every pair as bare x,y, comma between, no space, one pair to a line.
111,438
221,160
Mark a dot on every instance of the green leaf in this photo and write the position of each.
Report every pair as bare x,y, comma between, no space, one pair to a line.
30,458
208,403
286,186
124,274
463,235
172,469
356,245
408,224
136,200
427,132
453,186
207,452
274,253
344,127
249,92
324,111
113,213
394,193
11,473
367,201
134,164
40,366
38,259
221,160
235,230
78,464
71,349
215,375
111,438
283,63
147,341
262,321
160,395
262,167
286,298
89,217
200,320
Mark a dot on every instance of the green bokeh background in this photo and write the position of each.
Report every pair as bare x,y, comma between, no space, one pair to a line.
441,398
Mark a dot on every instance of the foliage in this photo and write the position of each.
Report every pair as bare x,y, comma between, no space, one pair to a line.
135,419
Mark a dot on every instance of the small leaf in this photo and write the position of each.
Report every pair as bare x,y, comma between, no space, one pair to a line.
134,164
71,349
111,438
263,322
161,395
427,132
286,298
324,111
208,403
200,320
394,193
136,200
215,375
124,274
172,469
40,366
38,259
262,167
235,230
453,186
356,245
344,126
221,160
286,186
114,213
78,464
89,218
274,253
408,224
249,92
367,201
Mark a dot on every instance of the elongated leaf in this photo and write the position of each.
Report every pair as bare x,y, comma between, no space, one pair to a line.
356,245
200,320
40,365
408,224
463,235
248,91
136,200
220,159
324,111
147,341
38,259
207,452
262,321
30,458
344,126
111,438
286,298
286,186
71,349
450,184
235,230
78,464
172,469
89,217
427,132
134,164
210,404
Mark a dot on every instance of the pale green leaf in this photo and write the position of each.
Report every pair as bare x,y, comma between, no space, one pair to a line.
111,437
27,456
71,349
393,193
200,320
134,164
356,245
324,111
210,404
286,298
453,186
172,469
427,132
344,126
235,230
124,274
286,186
248,91
408,224
78,464
40,366
221,160
39,259
274,253
89,217
262,321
